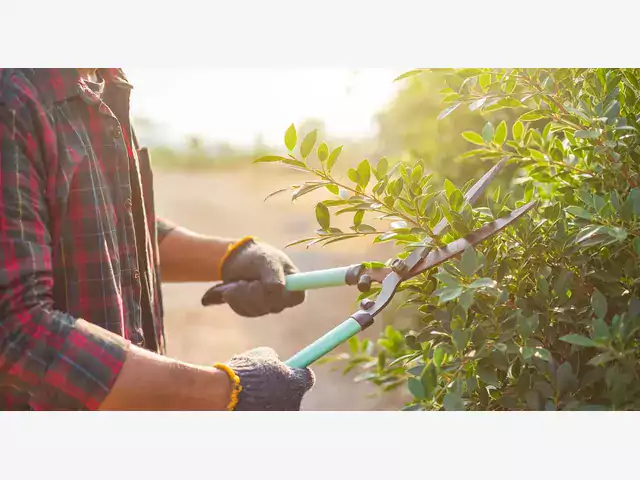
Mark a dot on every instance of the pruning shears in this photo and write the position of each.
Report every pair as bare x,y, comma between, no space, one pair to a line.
421,259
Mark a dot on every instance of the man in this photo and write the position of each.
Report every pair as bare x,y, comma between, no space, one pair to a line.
81,251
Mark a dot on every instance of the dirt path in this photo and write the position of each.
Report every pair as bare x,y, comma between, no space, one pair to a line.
231,204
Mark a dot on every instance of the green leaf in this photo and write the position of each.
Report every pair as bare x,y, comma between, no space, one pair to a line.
416,175
543,354
410,73
269,158
488,375
636,245
297,242
587,134
466,299
308,143
565,378
291,138
575,339
323,216
438,355
304,189
415,388
468,262
447,279
448,111
473,137
531,116
357,218
517,130
381,168
295,163
429,380
485,80
448,293
354,176
333,189
323,152
449,187
487,132
601,358
333,157
396,189
526,326
364,173
599,304
578,212
452,402
501,133
482,282
456,200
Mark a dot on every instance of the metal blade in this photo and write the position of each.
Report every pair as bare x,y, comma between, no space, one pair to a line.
470,198
440,255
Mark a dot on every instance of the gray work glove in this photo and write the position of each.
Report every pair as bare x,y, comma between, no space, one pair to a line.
259,270
269,384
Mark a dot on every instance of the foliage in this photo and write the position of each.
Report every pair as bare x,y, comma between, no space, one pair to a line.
545,315
415,125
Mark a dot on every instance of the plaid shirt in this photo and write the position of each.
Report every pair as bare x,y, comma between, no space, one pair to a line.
79,263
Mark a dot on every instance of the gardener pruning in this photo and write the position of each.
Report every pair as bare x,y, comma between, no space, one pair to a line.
81,251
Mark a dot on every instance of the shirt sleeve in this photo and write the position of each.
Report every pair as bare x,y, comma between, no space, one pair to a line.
164,227
60,362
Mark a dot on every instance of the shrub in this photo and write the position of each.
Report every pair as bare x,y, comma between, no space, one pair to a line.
545,315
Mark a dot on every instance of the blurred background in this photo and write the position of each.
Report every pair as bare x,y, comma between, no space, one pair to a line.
205,126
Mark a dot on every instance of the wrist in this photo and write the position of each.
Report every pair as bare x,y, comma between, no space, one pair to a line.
232,249
233,385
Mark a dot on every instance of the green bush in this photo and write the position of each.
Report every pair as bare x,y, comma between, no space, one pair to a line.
545,315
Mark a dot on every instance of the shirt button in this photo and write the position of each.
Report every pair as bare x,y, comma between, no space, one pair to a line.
136,275
128,203
117,132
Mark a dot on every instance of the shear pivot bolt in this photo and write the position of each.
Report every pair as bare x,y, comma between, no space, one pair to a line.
367,303
398,266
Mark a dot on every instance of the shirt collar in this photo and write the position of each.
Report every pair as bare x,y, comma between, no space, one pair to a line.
60,84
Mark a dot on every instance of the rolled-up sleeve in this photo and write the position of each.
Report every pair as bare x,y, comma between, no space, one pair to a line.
58,361
164,227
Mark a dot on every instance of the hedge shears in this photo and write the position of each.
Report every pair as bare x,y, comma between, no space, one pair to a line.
420,260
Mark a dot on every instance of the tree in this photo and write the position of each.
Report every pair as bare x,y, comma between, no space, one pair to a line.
544,316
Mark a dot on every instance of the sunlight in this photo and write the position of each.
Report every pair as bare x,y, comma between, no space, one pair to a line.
239,105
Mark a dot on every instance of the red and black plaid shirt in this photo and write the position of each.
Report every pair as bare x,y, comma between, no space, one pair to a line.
78,240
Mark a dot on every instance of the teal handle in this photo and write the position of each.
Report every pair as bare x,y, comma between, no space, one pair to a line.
332,277
325,344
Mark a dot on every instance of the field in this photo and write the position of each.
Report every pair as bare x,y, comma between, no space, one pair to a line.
230,203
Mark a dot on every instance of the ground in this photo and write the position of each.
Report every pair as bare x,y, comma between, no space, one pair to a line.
230,203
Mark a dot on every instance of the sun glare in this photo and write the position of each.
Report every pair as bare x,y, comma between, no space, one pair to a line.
240,105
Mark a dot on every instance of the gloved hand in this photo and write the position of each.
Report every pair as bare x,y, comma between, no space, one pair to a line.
266,383
259,270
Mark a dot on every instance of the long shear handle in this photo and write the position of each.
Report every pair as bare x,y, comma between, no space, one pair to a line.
325,344
333,277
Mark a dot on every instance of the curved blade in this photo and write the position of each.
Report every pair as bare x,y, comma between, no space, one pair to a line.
440,255
470,198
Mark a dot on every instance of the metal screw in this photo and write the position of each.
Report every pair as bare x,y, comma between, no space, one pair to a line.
367,303
398,266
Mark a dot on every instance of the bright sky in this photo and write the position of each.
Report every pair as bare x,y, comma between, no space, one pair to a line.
237,105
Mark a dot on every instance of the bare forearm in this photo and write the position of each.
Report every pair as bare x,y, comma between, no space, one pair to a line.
151,382
186,256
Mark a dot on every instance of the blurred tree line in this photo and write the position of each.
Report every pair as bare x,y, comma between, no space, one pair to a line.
409,128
